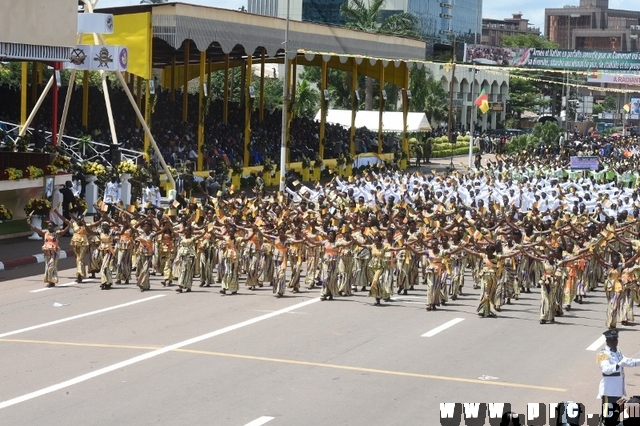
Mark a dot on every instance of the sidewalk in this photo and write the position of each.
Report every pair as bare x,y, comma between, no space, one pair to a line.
17,252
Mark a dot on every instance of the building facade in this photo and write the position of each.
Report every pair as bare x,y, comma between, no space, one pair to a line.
593,26
440,20
493,30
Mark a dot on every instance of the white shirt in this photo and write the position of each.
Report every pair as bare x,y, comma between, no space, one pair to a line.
112,192
612,383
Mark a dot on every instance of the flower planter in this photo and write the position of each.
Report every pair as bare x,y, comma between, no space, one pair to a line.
316,174
7,185
36,221
305,175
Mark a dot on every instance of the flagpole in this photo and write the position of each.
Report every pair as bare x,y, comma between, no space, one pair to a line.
473,116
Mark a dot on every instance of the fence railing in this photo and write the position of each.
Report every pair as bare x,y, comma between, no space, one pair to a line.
78,149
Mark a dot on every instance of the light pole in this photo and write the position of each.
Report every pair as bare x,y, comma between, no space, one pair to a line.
569,38
285,104
473,115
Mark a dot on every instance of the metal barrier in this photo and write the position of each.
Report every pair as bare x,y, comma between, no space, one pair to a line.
75,148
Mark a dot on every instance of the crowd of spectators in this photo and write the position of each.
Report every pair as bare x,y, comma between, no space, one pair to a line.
177,140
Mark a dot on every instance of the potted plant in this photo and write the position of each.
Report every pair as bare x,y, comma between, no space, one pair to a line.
51,170
126,169
11,173
61,162
5,214
33,172
23,142
37,209
93,170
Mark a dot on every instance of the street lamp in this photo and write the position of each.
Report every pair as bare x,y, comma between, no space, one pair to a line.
569,38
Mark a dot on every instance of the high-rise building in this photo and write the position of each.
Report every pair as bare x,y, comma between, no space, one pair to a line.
443,19
593,26
439,20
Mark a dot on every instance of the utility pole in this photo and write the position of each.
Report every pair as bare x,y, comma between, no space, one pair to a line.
450,124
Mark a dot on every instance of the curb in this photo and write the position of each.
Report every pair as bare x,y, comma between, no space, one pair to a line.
30,260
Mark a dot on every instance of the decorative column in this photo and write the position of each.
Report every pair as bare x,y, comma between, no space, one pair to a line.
125,189
56,202
91,193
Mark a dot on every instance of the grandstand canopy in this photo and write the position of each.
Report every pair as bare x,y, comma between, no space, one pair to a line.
391,120
239,34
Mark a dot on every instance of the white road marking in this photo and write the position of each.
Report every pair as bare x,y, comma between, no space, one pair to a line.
596,345
148,355
75,317
441,328
260,421
62,285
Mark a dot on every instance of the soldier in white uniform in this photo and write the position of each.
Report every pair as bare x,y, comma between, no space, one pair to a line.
112,191
150,195
612,364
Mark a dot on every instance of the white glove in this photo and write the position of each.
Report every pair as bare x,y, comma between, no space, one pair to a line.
628,362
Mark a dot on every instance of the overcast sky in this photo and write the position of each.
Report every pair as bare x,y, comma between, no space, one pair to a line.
495,9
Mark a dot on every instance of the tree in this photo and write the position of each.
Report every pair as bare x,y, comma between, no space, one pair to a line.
418,87
525,94
307,100
367,16
338,83
272,92
436,104
610,104
527,41
153,1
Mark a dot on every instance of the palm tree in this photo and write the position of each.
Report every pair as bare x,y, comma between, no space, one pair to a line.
364,15
307,100
436,105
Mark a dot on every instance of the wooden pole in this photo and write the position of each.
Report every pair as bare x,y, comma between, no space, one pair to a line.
203,63
247,110
185,82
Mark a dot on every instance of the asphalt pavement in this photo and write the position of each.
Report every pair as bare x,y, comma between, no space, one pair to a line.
78,355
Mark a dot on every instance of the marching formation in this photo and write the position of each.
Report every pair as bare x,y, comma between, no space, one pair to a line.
388,232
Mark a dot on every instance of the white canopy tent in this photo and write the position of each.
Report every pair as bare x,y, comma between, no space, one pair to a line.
391,120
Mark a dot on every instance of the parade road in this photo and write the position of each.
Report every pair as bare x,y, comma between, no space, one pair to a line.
77,355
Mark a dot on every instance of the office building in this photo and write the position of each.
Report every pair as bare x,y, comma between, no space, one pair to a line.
593,26
494,29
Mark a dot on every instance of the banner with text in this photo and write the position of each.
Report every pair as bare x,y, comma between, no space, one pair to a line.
553,58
